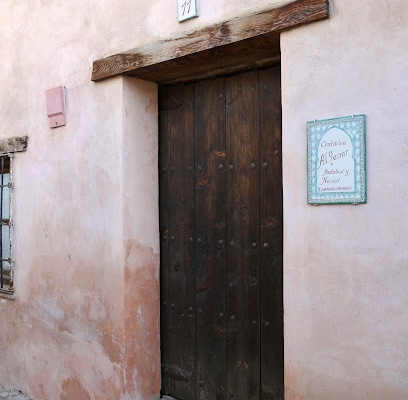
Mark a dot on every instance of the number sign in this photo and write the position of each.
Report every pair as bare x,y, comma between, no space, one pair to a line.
186,9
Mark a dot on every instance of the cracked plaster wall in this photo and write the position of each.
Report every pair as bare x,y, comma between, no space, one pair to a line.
85,321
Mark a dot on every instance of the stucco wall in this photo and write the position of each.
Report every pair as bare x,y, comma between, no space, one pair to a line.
85,321
345,266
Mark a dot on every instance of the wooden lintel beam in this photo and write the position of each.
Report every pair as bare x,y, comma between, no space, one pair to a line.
233,58
238,29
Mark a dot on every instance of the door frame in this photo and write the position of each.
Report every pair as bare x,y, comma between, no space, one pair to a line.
232,46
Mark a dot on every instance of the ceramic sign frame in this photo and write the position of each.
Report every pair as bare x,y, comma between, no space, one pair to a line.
336,161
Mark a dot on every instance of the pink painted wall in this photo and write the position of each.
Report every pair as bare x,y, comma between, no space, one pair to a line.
345,266
85,320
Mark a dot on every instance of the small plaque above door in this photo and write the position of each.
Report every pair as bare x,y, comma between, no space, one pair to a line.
336,161
186,9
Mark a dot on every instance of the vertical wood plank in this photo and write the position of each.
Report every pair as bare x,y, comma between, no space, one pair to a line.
243,296
164,229
211,239
271,216
178,367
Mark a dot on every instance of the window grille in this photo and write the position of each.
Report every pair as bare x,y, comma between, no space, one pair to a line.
6,232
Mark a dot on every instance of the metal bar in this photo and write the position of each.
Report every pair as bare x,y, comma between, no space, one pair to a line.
1,218
11,226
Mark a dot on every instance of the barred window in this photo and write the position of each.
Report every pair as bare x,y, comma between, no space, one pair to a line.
6,234
8,147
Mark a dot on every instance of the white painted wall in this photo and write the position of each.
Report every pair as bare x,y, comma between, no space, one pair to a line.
346,319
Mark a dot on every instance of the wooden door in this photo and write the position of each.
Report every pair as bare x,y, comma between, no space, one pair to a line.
221,238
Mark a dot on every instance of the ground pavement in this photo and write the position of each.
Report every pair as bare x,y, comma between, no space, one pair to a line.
11,394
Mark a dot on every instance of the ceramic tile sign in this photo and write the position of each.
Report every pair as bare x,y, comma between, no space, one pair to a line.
186,9
336,161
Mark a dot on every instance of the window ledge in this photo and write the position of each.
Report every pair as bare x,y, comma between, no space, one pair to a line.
7,295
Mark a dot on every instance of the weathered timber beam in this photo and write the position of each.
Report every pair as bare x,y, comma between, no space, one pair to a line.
294,14
232,58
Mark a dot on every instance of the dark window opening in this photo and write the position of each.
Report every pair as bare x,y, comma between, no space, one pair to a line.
6,265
